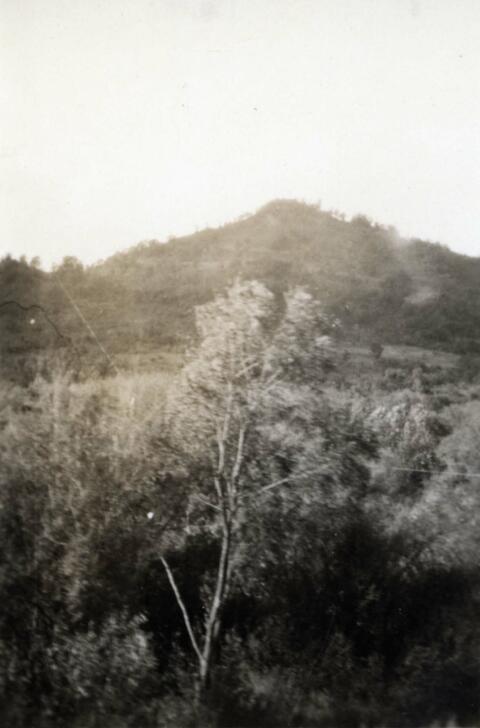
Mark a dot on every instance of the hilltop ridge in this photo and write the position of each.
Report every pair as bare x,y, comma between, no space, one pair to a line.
383,287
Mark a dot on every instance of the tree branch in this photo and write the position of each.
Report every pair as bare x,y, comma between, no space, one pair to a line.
287,479
221,449
237,467
206,502
239,456
183,609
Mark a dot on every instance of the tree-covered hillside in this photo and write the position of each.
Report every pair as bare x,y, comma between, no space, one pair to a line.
383,288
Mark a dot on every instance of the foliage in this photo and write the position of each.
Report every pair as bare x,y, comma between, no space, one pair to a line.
316,519
384,289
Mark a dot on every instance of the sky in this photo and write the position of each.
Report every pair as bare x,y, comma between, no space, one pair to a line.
127,120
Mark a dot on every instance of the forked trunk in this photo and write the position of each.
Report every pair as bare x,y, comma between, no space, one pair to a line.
213,621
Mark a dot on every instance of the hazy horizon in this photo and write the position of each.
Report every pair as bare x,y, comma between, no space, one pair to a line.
130,121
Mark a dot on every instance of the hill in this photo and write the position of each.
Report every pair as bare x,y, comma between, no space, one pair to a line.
382,287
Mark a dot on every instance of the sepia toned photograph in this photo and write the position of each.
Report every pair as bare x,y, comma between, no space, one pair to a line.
239,364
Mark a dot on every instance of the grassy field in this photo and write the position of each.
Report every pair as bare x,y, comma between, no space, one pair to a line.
406,354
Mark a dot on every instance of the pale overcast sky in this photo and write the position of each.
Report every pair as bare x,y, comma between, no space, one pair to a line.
124,120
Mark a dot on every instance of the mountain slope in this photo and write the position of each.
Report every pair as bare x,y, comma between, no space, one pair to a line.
382,287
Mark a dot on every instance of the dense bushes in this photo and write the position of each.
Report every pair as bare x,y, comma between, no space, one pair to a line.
352,590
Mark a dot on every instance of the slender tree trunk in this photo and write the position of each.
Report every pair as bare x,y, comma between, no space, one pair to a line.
206,652
214,616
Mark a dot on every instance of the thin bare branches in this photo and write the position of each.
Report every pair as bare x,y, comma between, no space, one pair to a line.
183,609
205,502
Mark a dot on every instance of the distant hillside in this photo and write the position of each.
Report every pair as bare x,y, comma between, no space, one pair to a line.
382,287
